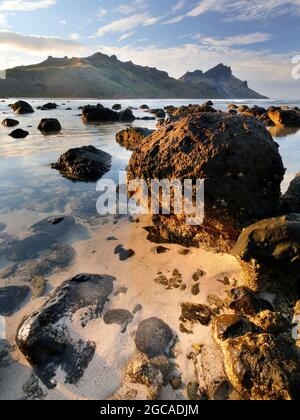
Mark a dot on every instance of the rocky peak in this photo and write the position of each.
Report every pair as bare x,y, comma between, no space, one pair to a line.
220,71
192,77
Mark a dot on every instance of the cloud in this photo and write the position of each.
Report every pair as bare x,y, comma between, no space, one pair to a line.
62,22
24,5
133,7
178,6
127,24
237,40
126,36
3,23
39,44
74,36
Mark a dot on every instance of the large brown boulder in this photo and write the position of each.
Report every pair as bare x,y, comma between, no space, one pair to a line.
236,156
49,125
99,113
22,107
84,163
7,122
284,118
269,253
132,137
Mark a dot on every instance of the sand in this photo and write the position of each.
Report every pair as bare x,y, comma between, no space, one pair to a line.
134,286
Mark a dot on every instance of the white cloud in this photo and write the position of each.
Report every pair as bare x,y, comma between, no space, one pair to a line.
63,22
178,6
74,36
133,7
126,36
24,5
127,24
3,23
237,40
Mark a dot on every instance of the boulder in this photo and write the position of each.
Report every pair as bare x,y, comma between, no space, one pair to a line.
232,106
8,122
291,198
48,107
245,302
100,114
285,118
159,113
153,337
44,337
144,106
22,107
269,253
19,134
85,163
120,317
132,137
241,166
256,112
117,107
49,125
11,298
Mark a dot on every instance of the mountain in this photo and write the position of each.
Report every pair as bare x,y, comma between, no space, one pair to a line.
104,77
221,82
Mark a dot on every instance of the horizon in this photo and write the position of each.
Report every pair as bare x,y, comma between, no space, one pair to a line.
245,36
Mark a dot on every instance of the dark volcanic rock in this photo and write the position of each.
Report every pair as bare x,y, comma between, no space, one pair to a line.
49,125
85,163
11,298
99,113
117,107
55,226
19,134
144,106
47,344
236,156
284,118
22,107
269,252
159,113
9,123
245,302
49,106
29,247
124,254
153,337
132,137
292,197
121,317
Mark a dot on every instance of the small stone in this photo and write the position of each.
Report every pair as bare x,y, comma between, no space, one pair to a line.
193,391
196,289
153,337
121,317
176,383
198,275
193,313
38,286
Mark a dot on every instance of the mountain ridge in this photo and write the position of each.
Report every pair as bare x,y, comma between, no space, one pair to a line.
103,77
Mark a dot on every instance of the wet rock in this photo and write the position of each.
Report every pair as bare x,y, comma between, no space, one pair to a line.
7,122
284,118
269,253
86,163
121,317
144,106
159,113
153,337
291,198
161,250
272,323
19,134
43,337
117,107
195,314
48,107
100,114
132,137
55,226
49,125
229,326
261,367
204,146
11,299
232,106
38,286
245,302
29,247
124,254
22,107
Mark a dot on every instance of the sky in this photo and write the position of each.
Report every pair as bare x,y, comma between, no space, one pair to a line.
259,39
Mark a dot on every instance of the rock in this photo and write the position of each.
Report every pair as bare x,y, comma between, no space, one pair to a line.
38,286
9,122
153,337
29,247
43,337
195,314
117,107
84,164
193,391
19,134
243,108
11,299
229,326
256,112
205,146
100,114
55,226
283,118
272,323
232,106
159,113
146,118
8,271
121,317
269,253
261,367
144,106
49,125
132,137
22,107
48,107
291,198
245,302
32,389
124,254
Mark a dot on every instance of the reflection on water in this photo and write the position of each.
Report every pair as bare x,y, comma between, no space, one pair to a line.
283,131
28,183
2,328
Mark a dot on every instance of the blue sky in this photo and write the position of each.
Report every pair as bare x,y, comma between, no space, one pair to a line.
257,38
